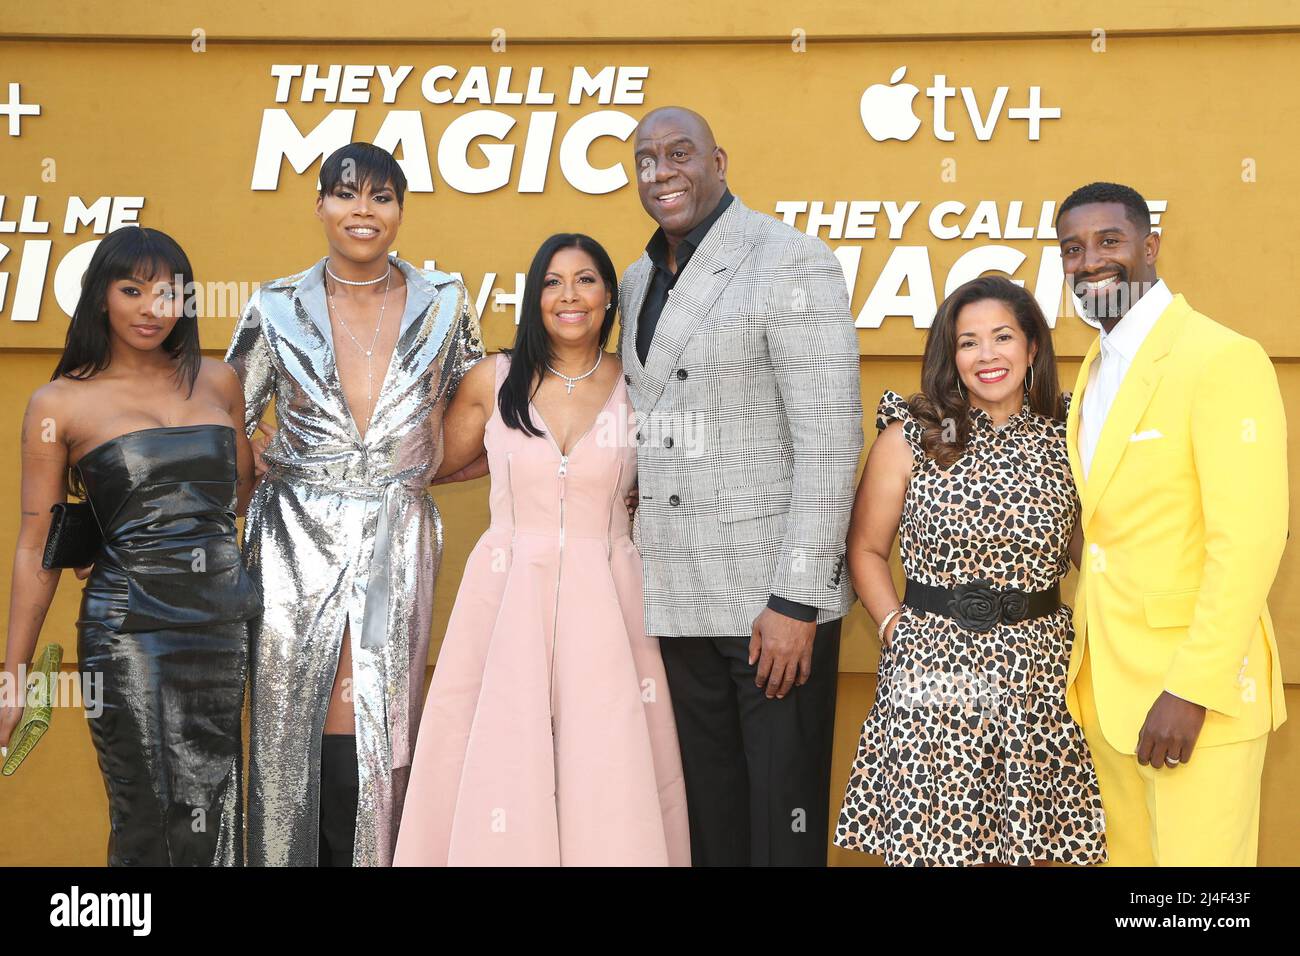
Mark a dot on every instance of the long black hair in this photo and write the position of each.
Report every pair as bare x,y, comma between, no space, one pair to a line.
132,252
532,349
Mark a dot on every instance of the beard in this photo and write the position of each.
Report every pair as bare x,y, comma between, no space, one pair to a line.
1108,303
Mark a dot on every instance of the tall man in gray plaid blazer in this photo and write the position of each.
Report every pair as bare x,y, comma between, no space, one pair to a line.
742,362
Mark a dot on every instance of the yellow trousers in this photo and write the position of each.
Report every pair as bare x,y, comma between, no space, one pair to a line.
1201,813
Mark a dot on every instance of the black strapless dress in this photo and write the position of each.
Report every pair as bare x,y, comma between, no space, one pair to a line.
162,635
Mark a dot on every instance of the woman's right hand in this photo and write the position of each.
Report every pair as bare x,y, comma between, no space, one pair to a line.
44,484
10,714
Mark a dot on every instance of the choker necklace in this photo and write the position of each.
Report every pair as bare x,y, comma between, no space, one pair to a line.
373,281
570,381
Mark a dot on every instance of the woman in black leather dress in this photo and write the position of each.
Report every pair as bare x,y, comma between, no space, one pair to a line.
140,421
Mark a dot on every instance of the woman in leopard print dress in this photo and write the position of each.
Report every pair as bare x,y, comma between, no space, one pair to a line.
969,755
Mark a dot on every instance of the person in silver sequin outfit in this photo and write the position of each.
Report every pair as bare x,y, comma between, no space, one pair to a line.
341,534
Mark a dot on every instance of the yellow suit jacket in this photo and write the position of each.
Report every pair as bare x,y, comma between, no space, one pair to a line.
1184,522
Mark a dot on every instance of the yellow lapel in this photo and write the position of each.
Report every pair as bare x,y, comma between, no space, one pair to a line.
1134,395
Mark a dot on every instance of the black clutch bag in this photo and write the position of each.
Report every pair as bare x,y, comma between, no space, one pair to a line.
74,538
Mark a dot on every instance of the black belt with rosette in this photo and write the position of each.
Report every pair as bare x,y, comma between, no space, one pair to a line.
978,606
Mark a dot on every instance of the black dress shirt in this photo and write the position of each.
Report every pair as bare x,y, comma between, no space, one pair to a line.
663,278
662,281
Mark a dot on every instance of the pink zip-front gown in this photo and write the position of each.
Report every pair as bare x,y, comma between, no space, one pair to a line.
548,737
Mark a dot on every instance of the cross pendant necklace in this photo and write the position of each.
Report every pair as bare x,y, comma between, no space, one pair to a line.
571,380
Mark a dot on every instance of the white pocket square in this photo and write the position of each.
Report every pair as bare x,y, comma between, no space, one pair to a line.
1147,435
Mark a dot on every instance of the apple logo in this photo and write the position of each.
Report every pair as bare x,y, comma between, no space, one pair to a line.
887,110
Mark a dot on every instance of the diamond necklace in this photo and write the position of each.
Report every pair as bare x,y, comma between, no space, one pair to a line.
369,352
360,281
570,381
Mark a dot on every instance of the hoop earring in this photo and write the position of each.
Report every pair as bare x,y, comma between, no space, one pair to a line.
959,391
1029,380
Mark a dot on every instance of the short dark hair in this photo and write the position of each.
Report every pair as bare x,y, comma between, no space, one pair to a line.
1138,212
357,165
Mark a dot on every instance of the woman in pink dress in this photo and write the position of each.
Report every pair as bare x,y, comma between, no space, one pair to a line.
548,737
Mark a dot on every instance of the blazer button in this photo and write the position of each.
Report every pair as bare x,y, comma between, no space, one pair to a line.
674,500
627,378
668,442
681,374
638,438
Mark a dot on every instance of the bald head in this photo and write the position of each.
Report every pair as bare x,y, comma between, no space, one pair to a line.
681,170
676,117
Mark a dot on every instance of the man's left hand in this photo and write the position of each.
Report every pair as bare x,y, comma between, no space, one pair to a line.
783,648
1170,731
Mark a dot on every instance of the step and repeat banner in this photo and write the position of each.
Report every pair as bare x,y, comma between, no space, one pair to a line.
922,157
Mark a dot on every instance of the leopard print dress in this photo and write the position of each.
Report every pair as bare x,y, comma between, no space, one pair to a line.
969,754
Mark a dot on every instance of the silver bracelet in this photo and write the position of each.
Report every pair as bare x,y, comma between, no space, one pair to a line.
880,631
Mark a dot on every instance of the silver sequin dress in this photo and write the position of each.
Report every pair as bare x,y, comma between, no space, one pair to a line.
342,531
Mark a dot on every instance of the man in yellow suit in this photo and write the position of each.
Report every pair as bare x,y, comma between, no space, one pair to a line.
1177,441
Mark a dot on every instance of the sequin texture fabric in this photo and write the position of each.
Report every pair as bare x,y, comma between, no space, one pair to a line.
342,533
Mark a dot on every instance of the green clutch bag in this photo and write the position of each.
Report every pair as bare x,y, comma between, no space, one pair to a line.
36,709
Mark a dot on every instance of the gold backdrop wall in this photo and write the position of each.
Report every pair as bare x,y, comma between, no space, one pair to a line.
1190,106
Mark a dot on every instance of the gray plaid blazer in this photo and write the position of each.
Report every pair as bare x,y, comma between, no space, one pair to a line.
749,429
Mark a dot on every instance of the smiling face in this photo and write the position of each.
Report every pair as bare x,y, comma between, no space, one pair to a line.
142,312
574,297
681,171
1108,260
361,222
993,352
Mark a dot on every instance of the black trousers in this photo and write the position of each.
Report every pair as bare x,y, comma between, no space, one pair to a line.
757,770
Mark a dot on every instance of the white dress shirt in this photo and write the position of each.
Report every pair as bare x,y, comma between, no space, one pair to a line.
1107,371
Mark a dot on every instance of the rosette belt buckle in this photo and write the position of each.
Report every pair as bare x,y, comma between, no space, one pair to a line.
979,606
